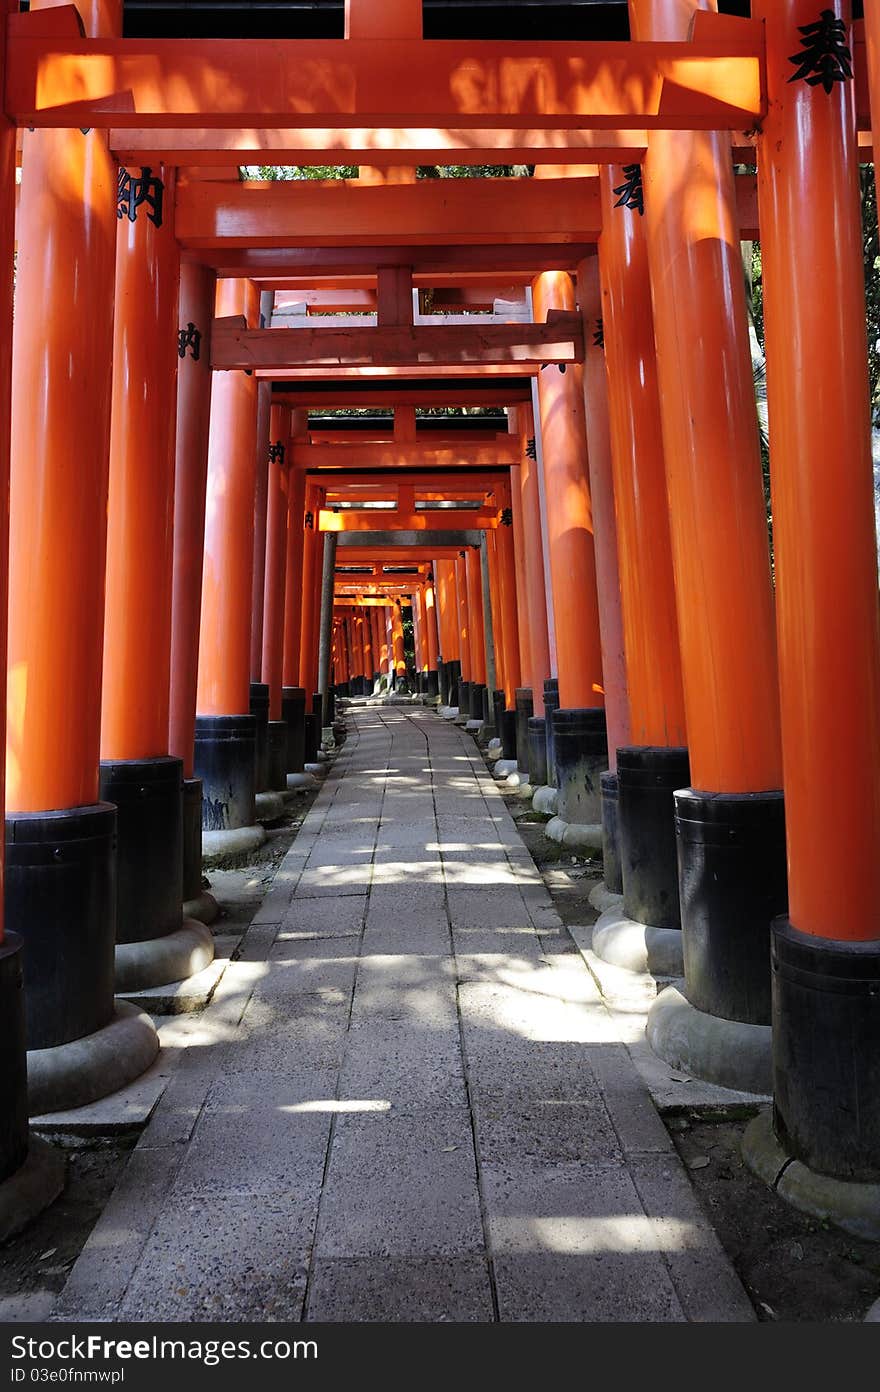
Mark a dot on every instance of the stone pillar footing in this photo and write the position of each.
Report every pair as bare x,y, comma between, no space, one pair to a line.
852,1205
577,836
236,844
729,1053
175,957
639,947
203,907
75,1074
37,1182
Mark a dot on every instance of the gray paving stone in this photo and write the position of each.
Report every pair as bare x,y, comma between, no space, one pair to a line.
334,881
329,977
409,989
305,1029
489,907
572,1242
424,939
256,1150
608,1287
632,1113
98,1280
401,1186
409,1066
226,1258
550,1131
707,1285
396,1290
304,1090
324,917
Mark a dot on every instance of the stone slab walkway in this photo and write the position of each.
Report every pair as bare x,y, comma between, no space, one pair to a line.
406,1100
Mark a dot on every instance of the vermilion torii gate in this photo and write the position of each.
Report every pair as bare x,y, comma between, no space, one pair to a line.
637,537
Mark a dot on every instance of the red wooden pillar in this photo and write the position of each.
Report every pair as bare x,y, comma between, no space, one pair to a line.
195,312
826,954
264,439
569,513
504,537
476,625
461,597
61,393
311,588
272,668
225,728
731,843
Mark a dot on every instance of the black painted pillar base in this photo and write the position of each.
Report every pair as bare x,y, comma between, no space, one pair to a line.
312,741
612,873
538,751
508,735
551,704
198,902
277,736
732,885
13,1075
443,681
149,862
293,710
524,711
225,761
432,679
60,897
826,1052
464,699
32,1172
192,838
647,777
581,751
259,707
476,704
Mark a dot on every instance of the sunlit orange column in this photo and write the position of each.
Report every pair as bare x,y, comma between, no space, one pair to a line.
826,954
538,669
476,630
263,439
656,698
14,1138
495,606
397,639
432,633
376,632
464,646
368,648
225,729
508,604
137,773
293,695
272,668
311,587
195,312
569,513
730,839
60,868
384,648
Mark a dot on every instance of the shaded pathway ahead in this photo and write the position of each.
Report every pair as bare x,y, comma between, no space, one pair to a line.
406,1101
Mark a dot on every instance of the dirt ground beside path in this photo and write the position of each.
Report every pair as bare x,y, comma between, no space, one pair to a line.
794,1268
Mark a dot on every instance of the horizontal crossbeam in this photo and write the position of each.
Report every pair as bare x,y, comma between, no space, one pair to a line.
560,341
333,85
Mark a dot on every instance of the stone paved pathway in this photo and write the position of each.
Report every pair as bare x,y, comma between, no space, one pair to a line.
406,1100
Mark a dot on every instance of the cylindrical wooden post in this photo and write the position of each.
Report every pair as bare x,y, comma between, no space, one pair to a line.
730,822
261,487
311,588
826,954
195,313
272,665
137,773
569,513
225,729
60,881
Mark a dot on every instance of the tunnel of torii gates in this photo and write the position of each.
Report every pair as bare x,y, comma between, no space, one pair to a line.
201,553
